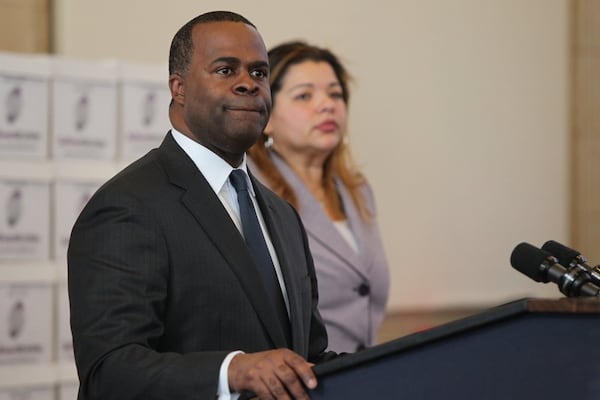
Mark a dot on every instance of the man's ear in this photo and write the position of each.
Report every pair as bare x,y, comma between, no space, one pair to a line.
176,88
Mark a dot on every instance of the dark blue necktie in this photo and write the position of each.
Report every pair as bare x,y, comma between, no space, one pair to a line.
258,247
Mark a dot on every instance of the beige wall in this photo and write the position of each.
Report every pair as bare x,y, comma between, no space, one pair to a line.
459,117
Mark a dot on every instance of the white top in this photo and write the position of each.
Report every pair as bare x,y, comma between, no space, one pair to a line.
344,230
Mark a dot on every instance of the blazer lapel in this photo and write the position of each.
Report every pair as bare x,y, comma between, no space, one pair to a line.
317,222
207,209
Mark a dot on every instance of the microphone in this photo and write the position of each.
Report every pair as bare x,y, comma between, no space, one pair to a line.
541,266
572,258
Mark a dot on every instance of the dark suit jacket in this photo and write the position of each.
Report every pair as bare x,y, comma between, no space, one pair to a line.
162,285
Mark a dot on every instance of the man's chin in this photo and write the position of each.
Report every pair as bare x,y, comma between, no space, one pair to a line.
241,141
250,140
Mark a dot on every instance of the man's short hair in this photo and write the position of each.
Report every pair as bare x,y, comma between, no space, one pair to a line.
182,46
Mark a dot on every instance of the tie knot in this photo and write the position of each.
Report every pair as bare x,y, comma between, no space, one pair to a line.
238,180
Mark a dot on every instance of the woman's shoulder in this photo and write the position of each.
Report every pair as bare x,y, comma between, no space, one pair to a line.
359,182
363,190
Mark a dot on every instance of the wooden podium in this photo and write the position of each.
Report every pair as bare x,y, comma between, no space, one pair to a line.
527,349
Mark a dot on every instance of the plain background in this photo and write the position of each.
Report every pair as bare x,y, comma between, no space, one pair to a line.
459,118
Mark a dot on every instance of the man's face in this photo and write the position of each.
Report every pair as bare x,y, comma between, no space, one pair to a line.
226,94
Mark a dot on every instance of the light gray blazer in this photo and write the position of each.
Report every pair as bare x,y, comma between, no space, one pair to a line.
353,288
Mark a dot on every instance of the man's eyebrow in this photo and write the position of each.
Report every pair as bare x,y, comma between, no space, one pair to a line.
237,61
259,64
226,60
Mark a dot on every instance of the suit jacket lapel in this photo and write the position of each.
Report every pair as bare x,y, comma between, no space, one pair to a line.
207,209
276,231
317,223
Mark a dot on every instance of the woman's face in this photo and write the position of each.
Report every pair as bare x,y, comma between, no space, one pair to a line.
309,114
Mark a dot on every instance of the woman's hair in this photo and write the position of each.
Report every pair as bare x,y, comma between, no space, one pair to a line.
339,163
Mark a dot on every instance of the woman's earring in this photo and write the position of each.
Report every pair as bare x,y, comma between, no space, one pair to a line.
269,142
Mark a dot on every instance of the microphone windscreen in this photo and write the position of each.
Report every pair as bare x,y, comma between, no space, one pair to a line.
528,260
564,254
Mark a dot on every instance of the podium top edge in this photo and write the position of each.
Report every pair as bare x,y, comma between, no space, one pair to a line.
485,318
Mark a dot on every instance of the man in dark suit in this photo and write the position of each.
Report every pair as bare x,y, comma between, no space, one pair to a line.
166,298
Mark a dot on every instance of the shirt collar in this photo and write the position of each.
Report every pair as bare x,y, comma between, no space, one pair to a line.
214,168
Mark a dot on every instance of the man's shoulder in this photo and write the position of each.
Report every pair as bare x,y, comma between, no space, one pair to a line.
138,169
143,178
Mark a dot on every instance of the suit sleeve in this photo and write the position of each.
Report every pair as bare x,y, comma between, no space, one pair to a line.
118,279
